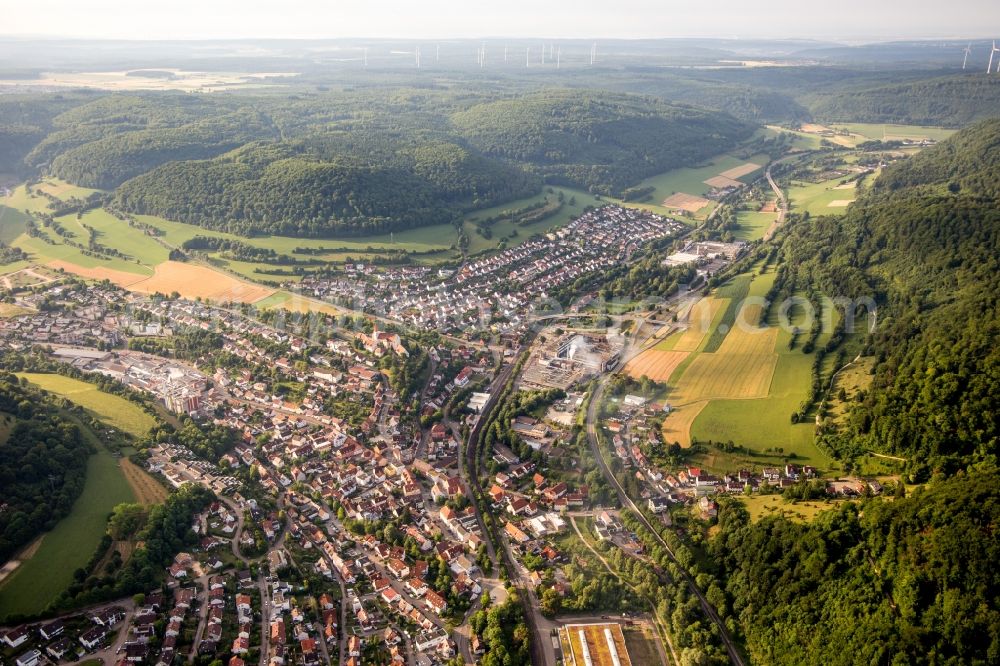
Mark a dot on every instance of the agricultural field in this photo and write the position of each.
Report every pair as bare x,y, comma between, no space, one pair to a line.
196,281
292,302
63,190
110,409
656,364
691,181
830,197
145,267
70,544
740,382
147,489
895,132
10,310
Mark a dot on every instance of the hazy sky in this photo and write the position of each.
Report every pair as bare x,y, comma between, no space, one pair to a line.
182,19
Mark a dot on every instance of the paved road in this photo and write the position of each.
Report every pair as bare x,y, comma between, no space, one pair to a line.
707,608
542,652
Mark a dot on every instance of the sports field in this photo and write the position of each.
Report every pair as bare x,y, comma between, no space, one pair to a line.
753,225
110,409
71,543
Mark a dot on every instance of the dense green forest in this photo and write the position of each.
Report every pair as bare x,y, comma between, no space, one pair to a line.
923,243
600,142
43,468
953,101
296,190
355,162
905,581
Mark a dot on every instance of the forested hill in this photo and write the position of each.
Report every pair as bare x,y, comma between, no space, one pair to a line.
43,464
602,142
924,241
357,161
890,581
953,101
292,189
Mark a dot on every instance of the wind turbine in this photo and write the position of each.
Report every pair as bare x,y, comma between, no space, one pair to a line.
437,52
505,54
366,56
527,57
558,56
967,51
417,56
989,67
593,53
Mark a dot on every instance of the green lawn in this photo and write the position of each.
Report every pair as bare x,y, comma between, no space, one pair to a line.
63,190
760,506
110,409
72,542
116,234
11,224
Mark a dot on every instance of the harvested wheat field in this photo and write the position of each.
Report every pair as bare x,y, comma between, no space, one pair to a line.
688,202
120,278
700,320
722,182
147,490
656,364
741,369
740,171
192,281
840,203
847,186
677,426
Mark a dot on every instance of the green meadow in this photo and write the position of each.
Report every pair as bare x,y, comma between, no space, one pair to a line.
39,580
107,408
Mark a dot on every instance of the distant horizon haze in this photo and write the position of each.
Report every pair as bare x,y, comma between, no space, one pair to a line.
850,22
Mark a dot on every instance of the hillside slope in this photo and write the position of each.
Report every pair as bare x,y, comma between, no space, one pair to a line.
953,101
291,189
43,467
600,141
903,581
923,242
